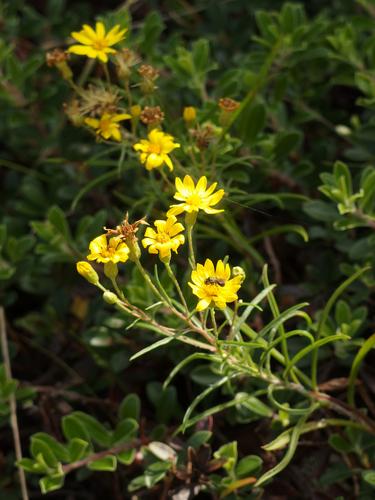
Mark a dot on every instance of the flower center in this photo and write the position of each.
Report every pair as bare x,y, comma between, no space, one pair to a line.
108,252
100,44
105,124
194,200
154,148
163,238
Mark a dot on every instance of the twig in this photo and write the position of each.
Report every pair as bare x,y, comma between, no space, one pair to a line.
12,406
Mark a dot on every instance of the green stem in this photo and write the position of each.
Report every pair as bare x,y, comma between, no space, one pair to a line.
177,285
191,246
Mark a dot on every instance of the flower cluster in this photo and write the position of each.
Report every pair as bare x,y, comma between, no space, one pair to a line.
98,107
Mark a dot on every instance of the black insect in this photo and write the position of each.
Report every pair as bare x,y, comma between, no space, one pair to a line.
214,281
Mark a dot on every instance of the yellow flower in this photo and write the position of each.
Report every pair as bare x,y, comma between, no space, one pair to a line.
195,197
112,250
108,125
165,238
212,285
96,43
154,151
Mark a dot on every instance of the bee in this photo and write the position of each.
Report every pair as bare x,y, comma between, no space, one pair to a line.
214,281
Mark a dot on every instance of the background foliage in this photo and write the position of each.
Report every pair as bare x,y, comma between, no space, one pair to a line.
298,167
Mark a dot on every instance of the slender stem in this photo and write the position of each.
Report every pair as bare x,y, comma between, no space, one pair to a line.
232,331
213,319
147,278
117,289
106,73
191,246
12,406
177,285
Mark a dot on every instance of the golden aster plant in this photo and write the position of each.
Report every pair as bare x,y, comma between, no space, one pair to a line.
154,151
97,44
213,285
108,125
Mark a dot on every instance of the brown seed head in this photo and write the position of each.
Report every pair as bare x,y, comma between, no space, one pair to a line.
148,72
152,115
229,105
55,57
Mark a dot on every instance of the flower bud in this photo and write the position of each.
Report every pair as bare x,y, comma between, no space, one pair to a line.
189,114
239,271
135,110
110,297
135,251
88,272
110,270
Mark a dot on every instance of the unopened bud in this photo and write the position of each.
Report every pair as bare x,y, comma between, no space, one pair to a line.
110,270
110,297
239,271
189,114
135,110
135,251
88,272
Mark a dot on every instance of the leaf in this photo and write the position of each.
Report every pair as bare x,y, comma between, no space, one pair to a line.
125,431
321,210
101,180
288,455
339,444
285,143
74,428
108,463
251,121
59,450
254,404
95,429
248,465
51,483
198,439
229,452
58,220
130,407
369,477
162,451
40,447
78,448
364,350
126,457
151,347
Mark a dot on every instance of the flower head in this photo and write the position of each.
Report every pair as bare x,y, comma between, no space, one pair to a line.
106,250
195,197
165,239
108,125
154,151
96,43
214,286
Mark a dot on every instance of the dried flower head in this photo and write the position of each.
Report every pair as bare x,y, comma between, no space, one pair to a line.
229,105
98,101
125,60
203,136
56,57
73,111
148,72
152,115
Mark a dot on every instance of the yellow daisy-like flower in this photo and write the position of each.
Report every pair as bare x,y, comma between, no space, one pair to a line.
195,197
165,239
108,125
106,250
96,43
214,286
154,151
